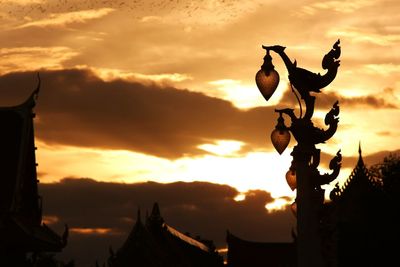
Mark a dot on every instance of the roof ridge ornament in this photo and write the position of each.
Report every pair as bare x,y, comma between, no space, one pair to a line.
360,162
35,93
32,99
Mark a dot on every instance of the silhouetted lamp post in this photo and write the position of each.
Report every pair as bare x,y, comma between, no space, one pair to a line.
303,174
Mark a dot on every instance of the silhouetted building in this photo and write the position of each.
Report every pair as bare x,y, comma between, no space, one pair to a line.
366,230
21,228
360,226
243,253
155,243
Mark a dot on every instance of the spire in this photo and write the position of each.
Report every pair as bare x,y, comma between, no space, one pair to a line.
155,212
360,159
155,216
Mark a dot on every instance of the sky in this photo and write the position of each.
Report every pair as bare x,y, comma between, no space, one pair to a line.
139,95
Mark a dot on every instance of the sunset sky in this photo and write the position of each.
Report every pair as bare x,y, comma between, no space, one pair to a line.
164,91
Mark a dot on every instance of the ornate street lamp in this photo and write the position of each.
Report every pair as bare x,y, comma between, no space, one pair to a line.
291,179
280,137
303,174
267,78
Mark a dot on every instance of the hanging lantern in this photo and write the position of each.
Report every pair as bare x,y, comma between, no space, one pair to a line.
291,179
293,207
267,78
280,136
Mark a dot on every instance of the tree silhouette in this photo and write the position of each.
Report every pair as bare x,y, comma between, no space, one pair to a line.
388,213
47,260
388,172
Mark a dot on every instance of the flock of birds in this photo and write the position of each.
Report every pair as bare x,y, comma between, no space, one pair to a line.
36,9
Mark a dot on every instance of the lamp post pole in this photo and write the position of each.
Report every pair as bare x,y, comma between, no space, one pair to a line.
303,173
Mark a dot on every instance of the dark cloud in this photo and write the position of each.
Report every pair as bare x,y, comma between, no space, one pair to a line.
199,208
77,108
326,100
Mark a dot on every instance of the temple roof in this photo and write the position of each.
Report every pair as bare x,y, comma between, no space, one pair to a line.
17,234
20,203
155,243
360,180
17,160
185,238
361,221
243,253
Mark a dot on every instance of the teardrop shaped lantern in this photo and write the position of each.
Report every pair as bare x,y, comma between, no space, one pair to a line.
291,179
293,207
280,136
267,78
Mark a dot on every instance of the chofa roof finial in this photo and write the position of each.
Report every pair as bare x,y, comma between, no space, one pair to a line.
360,158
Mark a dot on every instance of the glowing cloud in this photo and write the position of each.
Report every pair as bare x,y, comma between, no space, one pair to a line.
92,231
47,219
338,6
255,170
358,35
383,69
108,74
62,19
278,204
223,147
34,58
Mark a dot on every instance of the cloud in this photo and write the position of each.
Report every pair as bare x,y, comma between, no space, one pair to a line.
384,100
92,231
33,58
107,74
102,214
365,35
337,6
384,133
78,108
63,19
387,69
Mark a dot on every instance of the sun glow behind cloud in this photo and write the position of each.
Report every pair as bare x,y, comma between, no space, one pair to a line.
254,170
222,147
278,204
244,95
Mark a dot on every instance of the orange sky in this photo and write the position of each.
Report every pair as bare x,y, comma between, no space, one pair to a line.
164,91
198,114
